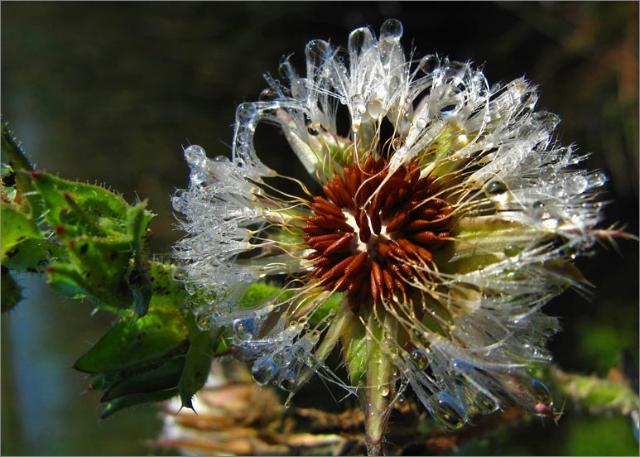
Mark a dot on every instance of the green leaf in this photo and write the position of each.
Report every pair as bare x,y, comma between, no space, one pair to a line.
197,366
135,340
81,208
104,237
11,293
127,401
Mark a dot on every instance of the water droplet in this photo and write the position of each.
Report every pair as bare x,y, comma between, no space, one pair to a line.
385,390
287,380
245,112
577,184
375,108
359,40
448,411
420,123
598,179
221,158
195,156
267,94
496,187
391,30
264,370
244,329
485,403
419,359
358,104
316,53
428,63
538,208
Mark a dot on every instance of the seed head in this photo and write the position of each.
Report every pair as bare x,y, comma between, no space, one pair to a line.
448,217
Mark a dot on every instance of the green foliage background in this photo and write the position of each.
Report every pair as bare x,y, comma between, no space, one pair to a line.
109,93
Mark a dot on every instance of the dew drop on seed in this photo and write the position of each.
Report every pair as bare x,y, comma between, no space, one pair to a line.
485,403
288,380
195,156
419,359
374,108
428,63
358,38
267,94
538,208
598,179
496,187
391,30
420,123
577,184
448,411
264,370
244,329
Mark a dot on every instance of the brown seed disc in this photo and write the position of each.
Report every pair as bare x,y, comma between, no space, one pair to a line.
370,239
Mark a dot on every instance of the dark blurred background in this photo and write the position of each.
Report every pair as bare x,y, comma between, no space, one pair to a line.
109,92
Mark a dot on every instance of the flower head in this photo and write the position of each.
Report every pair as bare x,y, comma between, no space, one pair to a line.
446,216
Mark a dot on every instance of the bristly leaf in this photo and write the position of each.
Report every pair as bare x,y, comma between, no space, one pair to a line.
165,376
104,237
23,246
197,365
136,340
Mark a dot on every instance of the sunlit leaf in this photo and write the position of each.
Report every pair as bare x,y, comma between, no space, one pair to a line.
135,340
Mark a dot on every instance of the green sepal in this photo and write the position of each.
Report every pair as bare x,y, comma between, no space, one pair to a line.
292,236
258,293
11,292
481,241
127,401
197,365
135,340
138,219
355,353
165,376
331,304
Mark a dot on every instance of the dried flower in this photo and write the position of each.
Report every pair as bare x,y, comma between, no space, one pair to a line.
447,217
